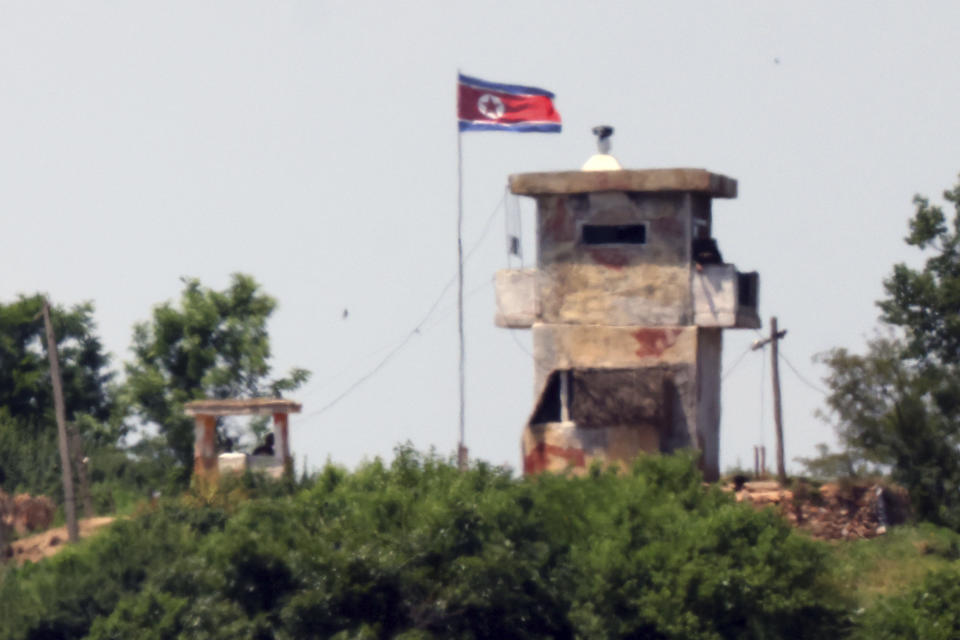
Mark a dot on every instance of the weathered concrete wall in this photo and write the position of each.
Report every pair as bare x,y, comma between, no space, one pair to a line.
641,284
647,350
559,446
631,389
516,298
570,346
715,296
621,366
614,414
709,363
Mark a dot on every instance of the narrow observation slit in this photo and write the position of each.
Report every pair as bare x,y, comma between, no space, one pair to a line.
614,234
747,289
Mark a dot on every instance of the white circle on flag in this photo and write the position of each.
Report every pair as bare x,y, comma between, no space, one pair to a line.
491,106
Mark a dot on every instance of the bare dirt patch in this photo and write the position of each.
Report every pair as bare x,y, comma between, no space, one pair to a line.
43,545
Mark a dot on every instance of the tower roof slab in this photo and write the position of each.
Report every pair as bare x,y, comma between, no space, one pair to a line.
637,180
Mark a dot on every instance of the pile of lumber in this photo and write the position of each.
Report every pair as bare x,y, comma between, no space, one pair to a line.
831,511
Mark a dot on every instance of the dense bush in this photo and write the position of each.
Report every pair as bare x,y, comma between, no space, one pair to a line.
418,549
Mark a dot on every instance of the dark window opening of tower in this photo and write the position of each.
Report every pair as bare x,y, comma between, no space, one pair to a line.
614,234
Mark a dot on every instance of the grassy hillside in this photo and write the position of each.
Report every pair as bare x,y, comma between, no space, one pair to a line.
894,563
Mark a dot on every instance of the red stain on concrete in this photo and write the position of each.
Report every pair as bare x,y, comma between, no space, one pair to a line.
613,258
539,458
558,223
653,342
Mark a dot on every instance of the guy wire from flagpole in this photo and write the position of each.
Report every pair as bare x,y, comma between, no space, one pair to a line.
461,446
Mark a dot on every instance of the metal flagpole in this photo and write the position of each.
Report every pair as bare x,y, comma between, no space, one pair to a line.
461,446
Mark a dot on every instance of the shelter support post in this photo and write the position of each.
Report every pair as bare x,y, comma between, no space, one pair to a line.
281,436
205,446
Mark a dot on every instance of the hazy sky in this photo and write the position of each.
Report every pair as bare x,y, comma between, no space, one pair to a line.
313,146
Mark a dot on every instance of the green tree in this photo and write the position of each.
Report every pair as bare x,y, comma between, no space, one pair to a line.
830,465
886,414
28,433
925,302
898,405
25,388
213,344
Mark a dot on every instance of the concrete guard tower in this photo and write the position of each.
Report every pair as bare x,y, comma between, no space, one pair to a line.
627,305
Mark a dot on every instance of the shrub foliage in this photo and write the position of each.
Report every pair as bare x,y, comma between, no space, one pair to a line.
418,549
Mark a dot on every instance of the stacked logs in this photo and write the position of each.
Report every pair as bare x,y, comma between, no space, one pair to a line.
832,511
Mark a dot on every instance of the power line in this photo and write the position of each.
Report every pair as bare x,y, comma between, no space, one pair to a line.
430,310
364,377
538,366
520,346
736,362
447,310
486,225
416,330
338,374
799,375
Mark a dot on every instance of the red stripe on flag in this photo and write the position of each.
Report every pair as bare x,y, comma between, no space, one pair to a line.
473,102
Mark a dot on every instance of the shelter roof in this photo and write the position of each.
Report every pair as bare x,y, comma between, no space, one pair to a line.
241,407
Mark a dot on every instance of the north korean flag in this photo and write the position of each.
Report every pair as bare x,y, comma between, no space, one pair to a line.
489,106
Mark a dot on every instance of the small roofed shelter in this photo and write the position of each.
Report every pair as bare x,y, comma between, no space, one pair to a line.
205,414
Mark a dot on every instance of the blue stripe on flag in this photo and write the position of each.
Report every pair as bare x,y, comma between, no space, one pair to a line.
506,88
470,125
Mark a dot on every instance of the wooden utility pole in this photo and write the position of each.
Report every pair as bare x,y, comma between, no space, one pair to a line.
759,461
777,414
69,501
80,464
775,337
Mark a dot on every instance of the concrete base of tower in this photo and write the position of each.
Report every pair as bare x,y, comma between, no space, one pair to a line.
559,446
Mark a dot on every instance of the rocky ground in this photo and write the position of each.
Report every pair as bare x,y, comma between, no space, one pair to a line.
833,511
